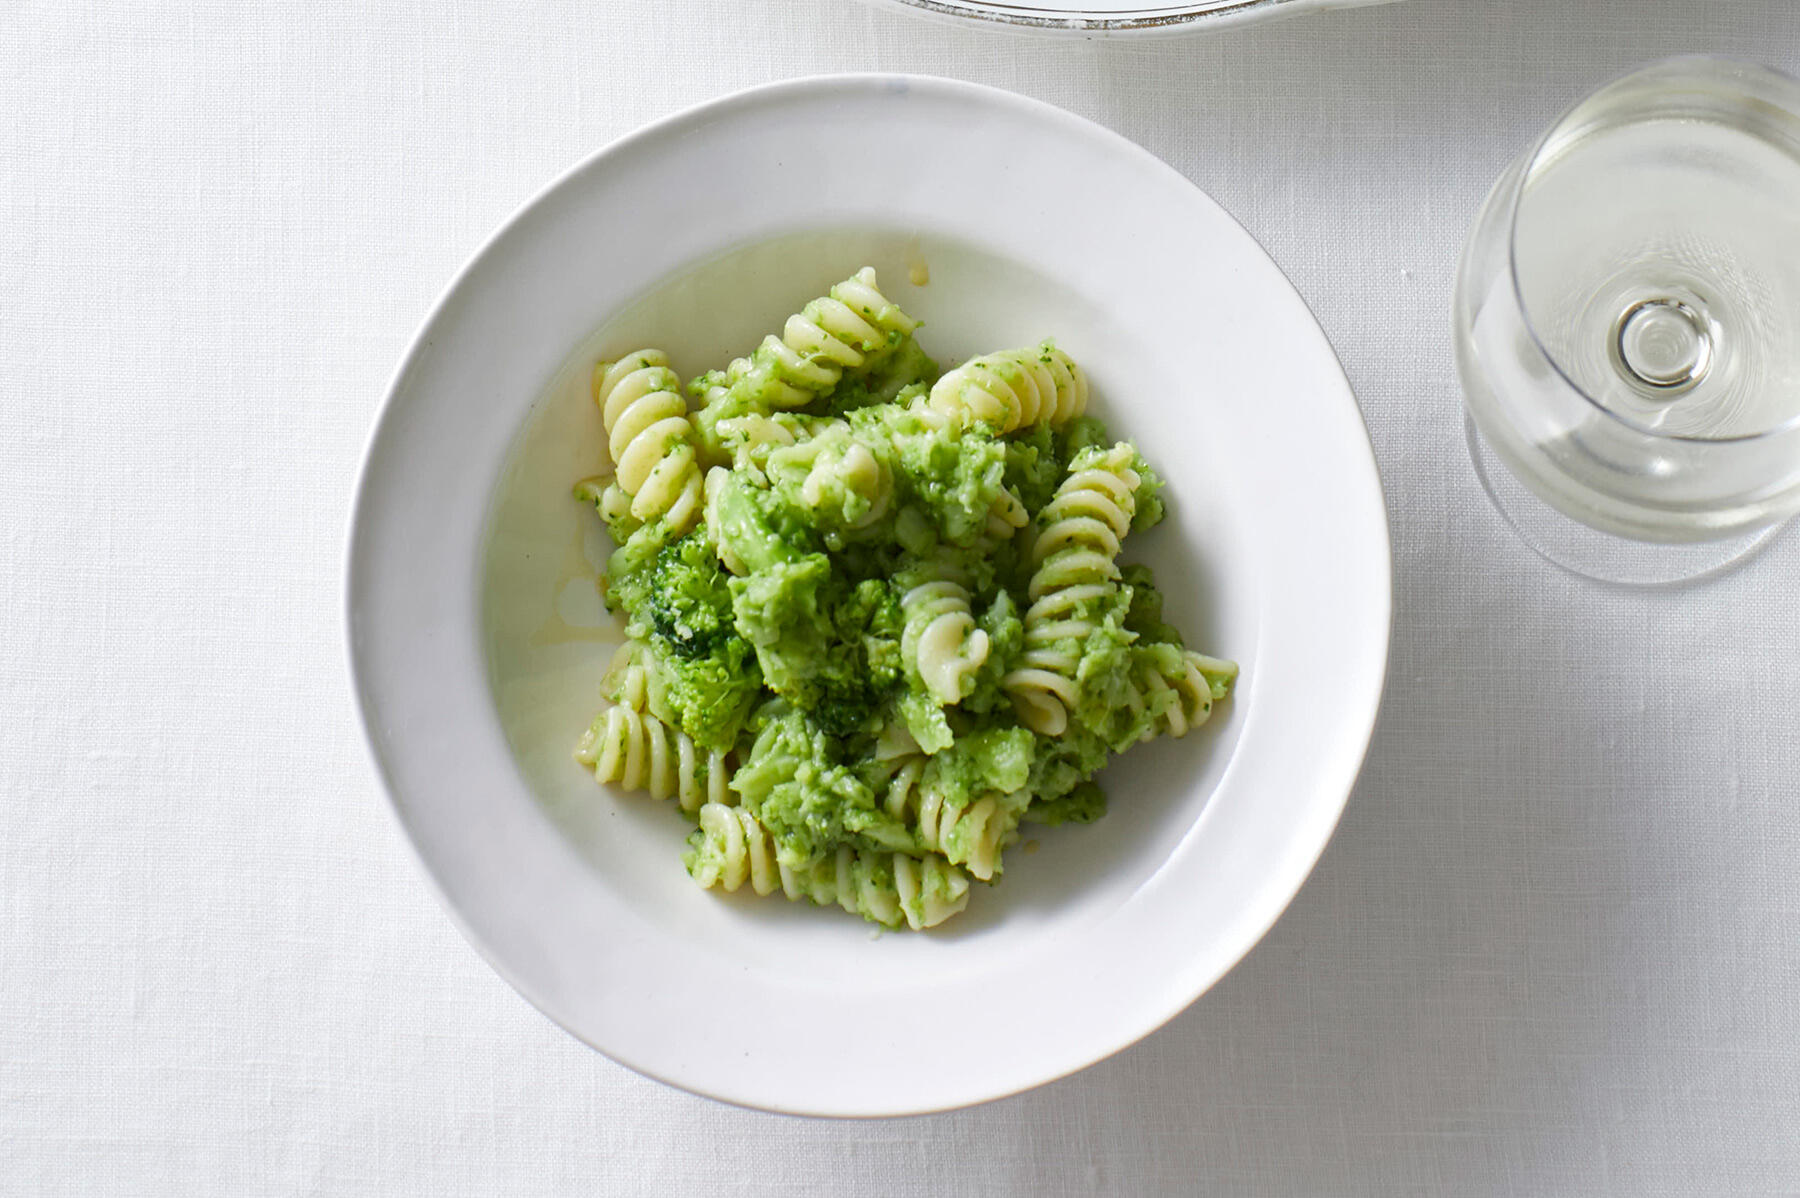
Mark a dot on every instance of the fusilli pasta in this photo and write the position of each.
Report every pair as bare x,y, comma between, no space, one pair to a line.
714,487
876,614
750,438
1075,553
1013,389
1178,686
853,328
640,752
941,641
657,471
731,848
839,476
629,676
968,833
1006,517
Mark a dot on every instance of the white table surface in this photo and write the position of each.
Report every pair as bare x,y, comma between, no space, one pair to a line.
1553,949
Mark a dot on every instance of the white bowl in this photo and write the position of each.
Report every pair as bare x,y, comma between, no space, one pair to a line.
1102,18
477,666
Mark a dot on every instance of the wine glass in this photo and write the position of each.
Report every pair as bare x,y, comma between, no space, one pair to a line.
1627,325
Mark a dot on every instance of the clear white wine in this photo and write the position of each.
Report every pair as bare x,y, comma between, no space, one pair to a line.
1660,264
1630,309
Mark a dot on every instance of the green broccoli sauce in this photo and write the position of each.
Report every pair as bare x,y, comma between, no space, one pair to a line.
1082,805
908,372
677,600
950,477
795,661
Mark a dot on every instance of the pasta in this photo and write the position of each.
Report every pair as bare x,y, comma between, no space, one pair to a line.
1075,554
640,752
1178,686
877,615
628,678
837,477
1013,389
1006,516
853,328
652,444
900,790
968,832
941,642
748,439
730,847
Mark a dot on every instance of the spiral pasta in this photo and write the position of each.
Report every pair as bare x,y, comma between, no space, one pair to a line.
750,438
735,848
968,833
613,504
1006,517
710,524
657,470
940,640
854,327
1013,389
732,847
640,752
848,328
1075,558
629,676
895,743
869,631
1177,685
899,792
839,476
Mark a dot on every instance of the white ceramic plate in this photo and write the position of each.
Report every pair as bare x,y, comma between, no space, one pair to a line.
477,663
1097,18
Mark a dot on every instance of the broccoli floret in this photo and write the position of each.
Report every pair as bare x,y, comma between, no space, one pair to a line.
1145,617
1083,432
796,785
1034,465
950,477
678,602
993,759
756,528
826,645
1065,762
1148,496
1082,805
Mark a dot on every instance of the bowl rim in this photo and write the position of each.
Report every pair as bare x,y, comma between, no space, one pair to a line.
1147,20
1363,724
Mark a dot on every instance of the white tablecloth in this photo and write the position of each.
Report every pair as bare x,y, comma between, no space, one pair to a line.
1554,948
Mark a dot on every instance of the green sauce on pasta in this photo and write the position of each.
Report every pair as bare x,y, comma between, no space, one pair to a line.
875,612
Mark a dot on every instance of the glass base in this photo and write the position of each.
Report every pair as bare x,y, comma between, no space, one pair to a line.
1602,556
